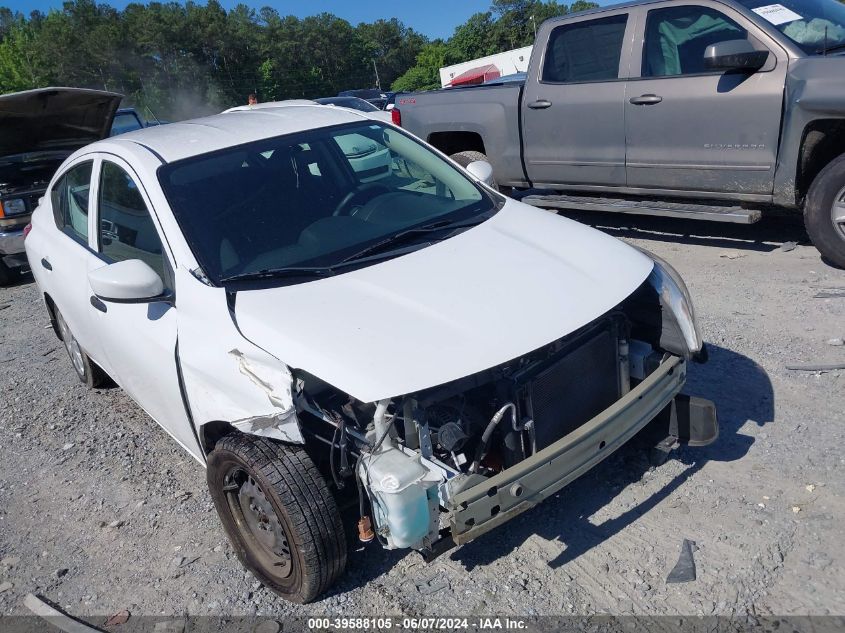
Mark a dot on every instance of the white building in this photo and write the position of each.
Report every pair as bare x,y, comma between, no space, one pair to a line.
484,68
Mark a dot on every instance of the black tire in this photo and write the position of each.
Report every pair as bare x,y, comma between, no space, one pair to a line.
279,515
6,274
825,199
468,156
88,372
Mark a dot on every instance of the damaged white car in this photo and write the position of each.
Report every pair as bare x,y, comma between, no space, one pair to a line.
448,355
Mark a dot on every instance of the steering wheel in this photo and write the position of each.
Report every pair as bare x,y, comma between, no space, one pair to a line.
373,188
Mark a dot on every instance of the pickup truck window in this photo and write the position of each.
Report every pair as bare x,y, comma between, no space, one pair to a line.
69,198
676,38
126,228
585,51
125,122
817,26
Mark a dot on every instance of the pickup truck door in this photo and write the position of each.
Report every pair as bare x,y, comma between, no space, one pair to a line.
692,129
573,102
139,339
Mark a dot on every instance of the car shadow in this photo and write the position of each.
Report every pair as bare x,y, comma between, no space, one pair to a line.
742,392
770,233
22,278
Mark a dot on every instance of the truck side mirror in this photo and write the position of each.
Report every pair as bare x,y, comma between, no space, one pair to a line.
734,55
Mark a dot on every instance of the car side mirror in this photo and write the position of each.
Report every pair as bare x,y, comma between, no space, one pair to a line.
482,170
129,281
734,55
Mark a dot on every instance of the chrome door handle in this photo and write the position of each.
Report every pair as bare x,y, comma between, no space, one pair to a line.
540,104
646,100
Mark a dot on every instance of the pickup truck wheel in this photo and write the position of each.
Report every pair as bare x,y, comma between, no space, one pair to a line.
824,212
278,514
88,372
466,157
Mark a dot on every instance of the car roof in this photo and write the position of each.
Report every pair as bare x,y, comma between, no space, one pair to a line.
184,139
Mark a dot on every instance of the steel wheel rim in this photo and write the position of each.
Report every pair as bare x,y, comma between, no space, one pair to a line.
72,347
258,523
837,212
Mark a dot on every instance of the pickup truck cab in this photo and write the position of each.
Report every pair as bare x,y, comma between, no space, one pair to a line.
712,109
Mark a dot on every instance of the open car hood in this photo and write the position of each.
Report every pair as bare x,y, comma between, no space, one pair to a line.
54,119
520,280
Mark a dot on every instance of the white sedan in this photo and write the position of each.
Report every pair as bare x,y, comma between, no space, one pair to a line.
445,355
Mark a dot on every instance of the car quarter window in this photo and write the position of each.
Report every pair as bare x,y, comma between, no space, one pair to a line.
676,37
585,51
69,198
126,229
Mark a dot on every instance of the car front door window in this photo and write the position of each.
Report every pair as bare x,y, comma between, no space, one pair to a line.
126,229
677,37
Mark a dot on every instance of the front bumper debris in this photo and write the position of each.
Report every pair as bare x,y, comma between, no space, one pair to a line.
494,501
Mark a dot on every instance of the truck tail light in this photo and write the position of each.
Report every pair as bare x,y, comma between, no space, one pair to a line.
27,229
396,117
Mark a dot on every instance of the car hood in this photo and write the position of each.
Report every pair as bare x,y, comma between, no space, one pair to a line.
518,281
54,118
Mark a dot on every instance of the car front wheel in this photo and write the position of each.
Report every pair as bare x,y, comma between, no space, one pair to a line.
279,515
824,212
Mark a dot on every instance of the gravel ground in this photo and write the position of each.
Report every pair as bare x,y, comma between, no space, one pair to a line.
101,511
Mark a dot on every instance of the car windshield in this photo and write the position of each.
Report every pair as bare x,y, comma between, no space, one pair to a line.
817,26
349,102
316,201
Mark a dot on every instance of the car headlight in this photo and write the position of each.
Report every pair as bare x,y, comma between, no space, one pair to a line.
14,206
680,332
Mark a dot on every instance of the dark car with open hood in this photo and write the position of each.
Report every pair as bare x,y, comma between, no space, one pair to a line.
38,130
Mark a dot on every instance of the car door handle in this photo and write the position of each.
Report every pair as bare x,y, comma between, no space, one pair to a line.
540,104
646,100
46,264
99,305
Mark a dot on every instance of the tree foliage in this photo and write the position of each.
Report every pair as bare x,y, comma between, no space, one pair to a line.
186,59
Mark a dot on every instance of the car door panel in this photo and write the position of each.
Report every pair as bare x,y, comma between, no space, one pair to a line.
702,131
573,114
65,257
139,339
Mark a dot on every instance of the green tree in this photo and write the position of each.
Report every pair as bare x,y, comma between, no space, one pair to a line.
425,74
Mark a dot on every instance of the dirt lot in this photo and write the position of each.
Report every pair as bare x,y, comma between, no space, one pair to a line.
101,511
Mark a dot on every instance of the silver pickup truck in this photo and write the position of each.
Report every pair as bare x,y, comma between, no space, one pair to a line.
710,109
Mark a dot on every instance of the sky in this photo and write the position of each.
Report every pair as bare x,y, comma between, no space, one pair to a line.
434,18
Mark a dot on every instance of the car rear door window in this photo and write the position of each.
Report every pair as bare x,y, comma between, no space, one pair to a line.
676,37
126,229
585,51
69,198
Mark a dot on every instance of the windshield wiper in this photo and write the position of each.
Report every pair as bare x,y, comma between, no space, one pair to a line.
277,273
407,235
826,49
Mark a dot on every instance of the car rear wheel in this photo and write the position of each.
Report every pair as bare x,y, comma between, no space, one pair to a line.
88,372
824,212
279,515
